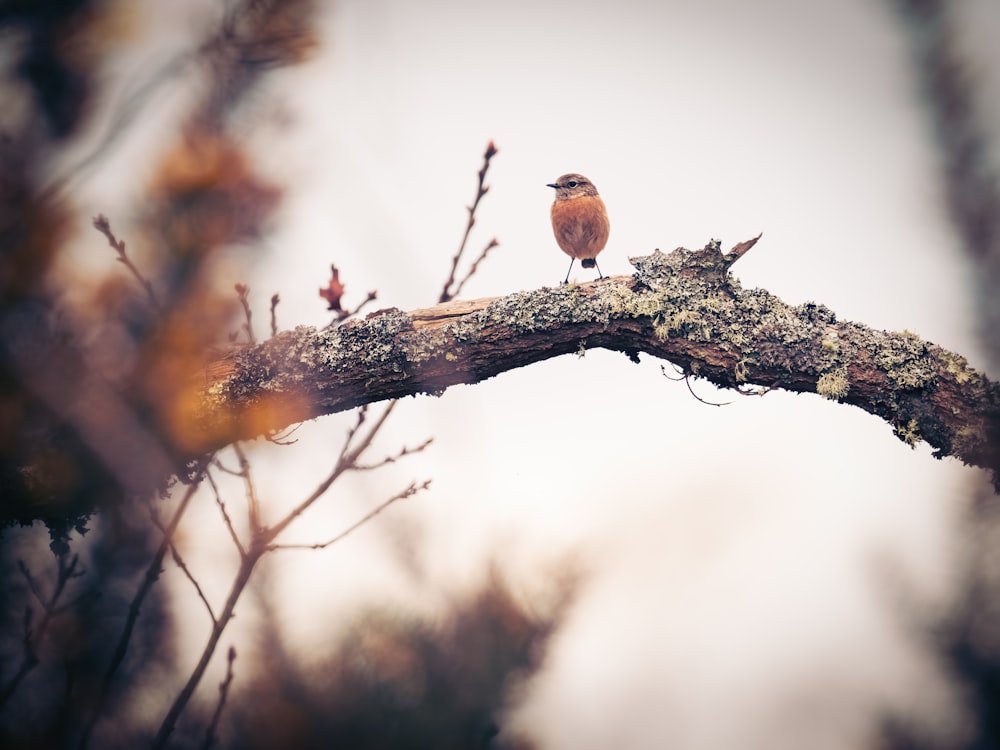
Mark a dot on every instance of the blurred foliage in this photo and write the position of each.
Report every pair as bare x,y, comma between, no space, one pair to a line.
96,395
966,637
57,635
955,95
407,682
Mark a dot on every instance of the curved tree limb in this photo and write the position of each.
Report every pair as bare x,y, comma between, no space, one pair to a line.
681,306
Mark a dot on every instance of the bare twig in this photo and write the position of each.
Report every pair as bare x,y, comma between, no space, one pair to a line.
247,564
32,586
347,459
225,516
413,489
194,582
686,377
66,571
253,501
680,373
481,190
243,292
275,299
262,541
392,459
217,463
213,726
371,297
353,430
103,225
687,382
475,265
152,575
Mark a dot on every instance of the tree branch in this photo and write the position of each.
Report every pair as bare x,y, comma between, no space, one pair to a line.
683,307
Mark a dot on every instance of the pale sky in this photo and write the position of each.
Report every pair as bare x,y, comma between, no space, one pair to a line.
741,561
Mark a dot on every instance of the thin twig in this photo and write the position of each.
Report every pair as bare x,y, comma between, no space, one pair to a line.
243,292
50,609
405,451
352,431
103,225
680,373
32,586
347,459
181,564
262,541
217,463
686,377
225,515
481,190
275,299
475,265
212,728
176,555
687,382
253,501
247,565
262,538
413,489
372,296
152,575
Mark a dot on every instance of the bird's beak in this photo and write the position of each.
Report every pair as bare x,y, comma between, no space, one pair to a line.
551,185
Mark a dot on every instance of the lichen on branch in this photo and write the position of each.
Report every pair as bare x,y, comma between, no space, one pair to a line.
683,306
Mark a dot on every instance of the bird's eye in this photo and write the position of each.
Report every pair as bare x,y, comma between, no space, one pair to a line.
572,183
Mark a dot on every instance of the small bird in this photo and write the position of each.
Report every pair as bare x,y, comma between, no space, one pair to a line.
579,221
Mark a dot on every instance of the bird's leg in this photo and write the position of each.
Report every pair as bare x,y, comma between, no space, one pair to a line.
566,280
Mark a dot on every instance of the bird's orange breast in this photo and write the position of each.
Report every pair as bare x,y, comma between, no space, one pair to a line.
581,225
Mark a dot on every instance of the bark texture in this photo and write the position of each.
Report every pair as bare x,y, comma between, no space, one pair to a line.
683,306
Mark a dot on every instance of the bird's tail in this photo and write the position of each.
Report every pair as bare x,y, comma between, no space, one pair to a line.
588,263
